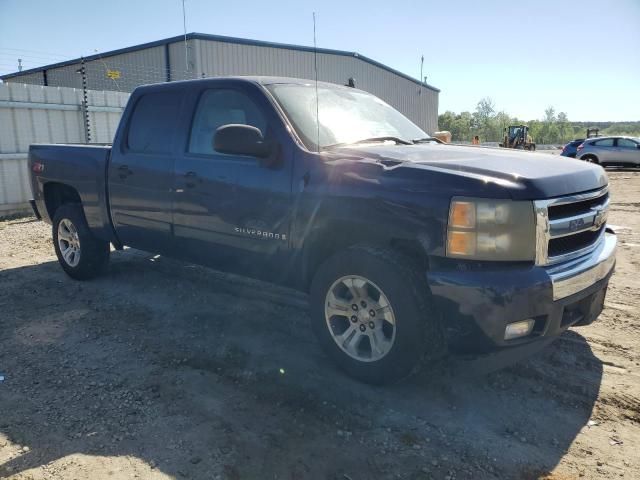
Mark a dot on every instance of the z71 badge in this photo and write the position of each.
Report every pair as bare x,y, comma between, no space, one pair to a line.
253,232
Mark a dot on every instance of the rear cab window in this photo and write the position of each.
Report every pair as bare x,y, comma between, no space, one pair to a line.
153,122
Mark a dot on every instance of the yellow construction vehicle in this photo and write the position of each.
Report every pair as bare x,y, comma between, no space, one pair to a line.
517,136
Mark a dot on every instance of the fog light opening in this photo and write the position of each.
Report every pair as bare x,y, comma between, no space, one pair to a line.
519,329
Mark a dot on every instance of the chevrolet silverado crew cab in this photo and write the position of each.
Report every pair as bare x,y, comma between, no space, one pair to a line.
407,247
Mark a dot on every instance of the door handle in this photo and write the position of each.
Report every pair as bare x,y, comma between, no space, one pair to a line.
190,176
124,171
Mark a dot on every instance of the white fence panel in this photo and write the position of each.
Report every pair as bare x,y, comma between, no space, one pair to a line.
14,183
37,114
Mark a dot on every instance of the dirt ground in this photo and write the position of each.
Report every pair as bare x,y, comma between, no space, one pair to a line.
162,369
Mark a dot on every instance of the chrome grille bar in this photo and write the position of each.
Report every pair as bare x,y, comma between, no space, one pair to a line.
591,220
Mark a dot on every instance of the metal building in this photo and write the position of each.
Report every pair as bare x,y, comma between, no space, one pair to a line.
202,55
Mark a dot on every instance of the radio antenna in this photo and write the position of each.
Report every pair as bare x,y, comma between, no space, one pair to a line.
315,68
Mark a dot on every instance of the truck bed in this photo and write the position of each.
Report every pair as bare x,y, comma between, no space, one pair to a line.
80,166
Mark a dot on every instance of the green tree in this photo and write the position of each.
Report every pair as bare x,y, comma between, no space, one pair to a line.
445,121
458,125
482,123
566,132
550,133
463,126
550,115
502,120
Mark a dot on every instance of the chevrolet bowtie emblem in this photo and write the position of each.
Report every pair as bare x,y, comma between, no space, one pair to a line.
600,217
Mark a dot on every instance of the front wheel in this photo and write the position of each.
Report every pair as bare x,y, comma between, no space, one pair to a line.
372,313
81,255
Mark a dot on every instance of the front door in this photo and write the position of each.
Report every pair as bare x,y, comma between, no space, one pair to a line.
141,172
628,151
231,211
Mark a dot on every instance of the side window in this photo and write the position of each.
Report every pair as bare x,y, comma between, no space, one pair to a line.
220,107
626,143
153,122
607,142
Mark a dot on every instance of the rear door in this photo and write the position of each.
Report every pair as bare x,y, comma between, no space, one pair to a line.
231,211
605,150
141,172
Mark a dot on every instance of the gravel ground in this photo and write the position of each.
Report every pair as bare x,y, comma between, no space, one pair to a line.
162,369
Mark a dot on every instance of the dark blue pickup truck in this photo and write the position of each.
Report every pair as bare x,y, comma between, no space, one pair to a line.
408,247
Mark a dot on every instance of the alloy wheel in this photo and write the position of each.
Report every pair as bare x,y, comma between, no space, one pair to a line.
360,318
69,242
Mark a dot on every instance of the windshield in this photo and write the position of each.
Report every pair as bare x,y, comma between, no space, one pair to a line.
346,115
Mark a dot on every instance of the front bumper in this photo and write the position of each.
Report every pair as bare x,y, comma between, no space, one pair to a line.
574,276
477,303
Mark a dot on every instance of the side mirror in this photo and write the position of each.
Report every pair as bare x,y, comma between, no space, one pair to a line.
236,139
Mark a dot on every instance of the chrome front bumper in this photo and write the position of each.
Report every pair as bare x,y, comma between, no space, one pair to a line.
576,275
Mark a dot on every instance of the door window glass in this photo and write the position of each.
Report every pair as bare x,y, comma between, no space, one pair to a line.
626,143
222,107
607,142
153,122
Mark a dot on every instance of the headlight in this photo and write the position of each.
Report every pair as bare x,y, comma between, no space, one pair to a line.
482,229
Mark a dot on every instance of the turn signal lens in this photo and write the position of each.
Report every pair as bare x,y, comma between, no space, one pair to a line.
462,215
461,243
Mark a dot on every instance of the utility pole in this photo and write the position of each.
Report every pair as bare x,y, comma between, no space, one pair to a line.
421,68
85,101
186,48
422,112
19,64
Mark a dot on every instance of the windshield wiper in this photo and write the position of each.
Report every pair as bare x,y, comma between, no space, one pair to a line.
398,140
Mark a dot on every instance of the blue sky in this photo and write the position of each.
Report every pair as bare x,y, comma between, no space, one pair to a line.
580,56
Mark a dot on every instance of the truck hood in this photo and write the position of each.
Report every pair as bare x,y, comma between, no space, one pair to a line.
526,175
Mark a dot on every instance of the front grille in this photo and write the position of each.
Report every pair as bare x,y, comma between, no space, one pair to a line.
577,208
572,243
571,226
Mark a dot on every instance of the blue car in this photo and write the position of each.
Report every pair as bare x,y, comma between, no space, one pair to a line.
571,148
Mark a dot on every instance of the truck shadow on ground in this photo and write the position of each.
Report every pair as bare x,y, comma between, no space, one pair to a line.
200,374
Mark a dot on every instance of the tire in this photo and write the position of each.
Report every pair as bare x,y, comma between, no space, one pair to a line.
590,159
407,329
81,255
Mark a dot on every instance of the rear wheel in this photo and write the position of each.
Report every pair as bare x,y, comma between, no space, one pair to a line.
590,159
372,313
81,255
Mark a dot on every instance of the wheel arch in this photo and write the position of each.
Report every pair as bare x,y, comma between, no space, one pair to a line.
339,235
586,156
57,194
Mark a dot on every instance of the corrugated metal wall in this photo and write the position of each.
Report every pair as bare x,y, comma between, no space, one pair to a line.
213,58
36,114
135,68
36,78
223,58
179,69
